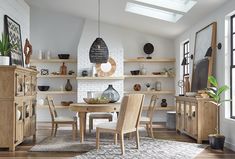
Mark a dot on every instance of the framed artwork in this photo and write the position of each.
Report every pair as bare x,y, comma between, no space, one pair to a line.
12,29
205,39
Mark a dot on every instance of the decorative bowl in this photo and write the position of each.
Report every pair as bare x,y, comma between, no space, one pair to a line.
43,88
96,100
191,94
66,103
63,56
135,72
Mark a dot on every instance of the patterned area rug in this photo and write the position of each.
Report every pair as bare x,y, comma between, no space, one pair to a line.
149,148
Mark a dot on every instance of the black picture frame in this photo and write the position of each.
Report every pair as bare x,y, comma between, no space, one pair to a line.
13,31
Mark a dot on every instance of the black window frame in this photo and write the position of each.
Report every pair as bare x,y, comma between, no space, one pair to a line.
232,67
187,56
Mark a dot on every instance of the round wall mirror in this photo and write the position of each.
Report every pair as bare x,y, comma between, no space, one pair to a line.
106,69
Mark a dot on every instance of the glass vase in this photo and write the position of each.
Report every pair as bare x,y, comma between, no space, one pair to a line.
111,94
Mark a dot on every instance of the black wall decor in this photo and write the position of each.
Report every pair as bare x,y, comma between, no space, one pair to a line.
12,30
148,49
99,52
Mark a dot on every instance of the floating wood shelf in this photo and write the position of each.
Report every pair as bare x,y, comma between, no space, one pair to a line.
56,76
56,92
56,106
53,61
168,108
150,92
155,60
148,76
100,78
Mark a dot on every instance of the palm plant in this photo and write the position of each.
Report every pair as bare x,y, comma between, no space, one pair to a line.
215,93
5,46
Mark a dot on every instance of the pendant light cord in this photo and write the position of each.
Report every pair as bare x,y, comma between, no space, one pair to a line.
98,18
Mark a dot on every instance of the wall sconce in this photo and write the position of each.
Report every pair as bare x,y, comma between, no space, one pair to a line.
209,50
184,62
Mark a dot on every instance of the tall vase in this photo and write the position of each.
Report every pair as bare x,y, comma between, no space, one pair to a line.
111,94
68,86
186,84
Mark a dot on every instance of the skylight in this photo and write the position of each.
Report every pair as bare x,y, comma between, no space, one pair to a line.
153,12
177,5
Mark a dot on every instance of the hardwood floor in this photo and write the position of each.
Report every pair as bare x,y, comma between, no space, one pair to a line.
159,133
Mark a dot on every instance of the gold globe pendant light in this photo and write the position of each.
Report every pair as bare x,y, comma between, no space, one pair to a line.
99,52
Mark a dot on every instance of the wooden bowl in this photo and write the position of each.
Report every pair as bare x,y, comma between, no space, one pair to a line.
66,103
96,101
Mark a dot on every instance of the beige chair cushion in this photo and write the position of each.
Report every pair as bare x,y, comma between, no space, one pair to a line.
144,119
110,125
64,119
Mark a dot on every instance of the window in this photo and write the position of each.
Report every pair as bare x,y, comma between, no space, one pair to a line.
187,57
232,68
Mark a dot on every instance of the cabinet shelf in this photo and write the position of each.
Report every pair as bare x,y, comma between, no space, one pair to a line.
56,76
100,78
56,92
168,108
150,92
53,61
148,76
155,60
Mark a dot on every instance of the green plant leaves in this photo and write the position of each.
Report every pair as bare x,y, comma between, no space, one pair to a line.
213,81
222,89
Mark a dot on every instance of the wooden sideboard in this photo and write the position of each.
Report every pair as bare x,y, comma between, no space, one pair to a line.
196,117
17,105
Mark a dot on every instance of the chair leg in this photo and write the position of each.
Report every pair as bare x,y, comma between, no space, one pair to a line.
115,139
56,127
76,129
97,138
52,129
137,139
122,143
90,124
151,130
73,131
147,129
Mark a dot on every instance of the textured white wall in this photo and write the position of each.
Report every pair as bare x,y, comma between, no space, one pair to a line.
19,11
222,63
57,33
111,36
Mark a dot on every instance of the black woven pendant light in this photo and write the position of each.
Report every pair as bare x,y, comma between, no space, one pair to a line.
99,52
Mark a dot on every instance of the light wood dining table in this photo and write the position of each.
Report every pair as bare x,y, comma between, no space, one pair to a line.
83,108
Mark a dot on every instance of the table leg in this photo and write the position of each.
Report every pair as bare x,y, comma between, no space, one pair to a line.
85,124
82,116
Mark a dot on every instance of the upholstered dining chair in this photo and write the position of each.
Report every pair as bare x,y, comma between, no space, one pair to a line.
148,120
128,120
56,120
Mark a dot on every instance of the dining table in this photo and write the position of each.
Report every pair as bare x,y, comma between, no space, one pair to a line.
83,108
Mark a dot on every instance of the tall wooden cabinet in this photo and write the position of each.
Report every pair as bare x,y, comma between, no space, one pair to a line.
17,105
196,117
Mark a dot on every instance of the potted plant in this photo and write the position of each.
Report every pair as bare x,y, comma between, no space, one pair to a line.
216,141
169,71
5,48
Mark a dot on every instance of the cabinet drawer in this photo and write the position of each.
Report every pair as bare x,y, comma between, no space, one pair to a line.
19,84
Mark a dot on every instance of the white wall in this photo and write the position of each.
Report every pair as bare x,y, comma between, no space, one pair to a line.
222,63
123,43
57,33
19,11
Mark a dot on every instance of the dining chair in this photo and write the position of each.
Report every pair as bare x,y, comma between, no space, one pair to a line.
128,120
93,116
148,120
56,120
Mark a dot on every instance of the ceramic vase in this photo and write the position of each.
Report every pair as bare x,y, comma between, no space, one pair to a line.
68,86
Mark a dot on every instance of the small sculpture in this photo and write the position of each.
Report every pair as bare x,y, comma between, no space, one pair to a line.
27,51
